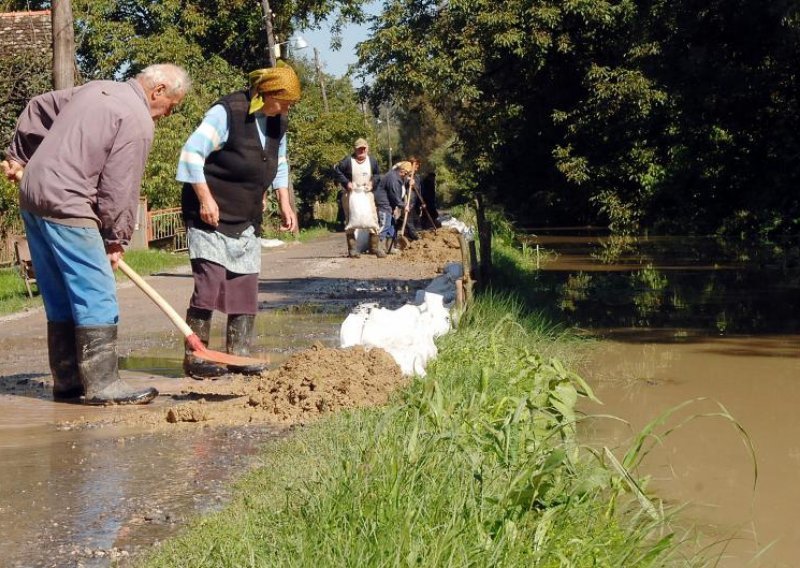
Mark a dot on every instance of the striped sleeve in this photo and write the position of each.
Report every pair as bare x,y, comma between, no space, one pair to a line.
282,175
209,137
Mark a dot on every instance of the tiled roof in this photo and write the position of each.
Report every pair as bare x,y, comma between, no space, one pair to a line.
25,30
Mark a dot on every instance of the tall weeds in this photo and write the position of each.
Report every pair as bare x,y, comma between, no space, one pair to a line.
475,465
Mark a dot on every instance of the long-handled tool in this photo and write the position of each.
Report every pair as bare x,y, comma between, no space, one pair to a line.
195,344
425,207
400,236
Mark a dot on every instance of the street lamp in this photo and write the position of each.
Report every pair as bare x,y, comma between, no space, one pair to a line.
297,42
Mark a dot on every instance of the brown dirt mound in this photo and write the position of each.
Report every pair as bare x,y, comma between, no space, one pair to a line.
439,248
309,384
313,382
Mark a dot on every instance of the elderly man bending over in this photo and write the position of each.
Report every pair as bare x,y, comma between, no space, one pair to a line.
83,151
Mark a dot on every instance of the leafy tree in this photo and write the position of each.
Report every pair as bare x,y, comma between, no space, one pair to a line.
668,115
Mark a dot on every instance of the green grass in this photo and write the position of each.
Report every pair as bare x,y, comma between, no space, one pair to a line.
13,295
475,465
147,262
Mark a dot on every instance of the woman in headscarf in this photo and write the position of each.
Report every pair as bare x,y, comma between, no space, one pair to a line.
226,165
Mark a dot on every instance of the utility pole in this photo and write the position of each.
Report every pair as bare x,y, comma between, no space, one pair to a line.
63,44
389,134
270,34
320,79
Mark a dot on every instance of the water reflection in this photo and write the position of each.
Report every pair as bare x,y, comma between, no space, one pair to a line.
679,282
694,319
77,497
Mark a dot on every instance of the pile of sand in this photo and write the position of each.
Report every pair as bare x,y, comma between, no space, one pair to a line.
311,383
439,248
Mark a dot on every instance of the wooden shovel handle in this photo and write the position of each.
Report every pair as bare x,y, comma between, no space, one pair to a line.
176,319
405,214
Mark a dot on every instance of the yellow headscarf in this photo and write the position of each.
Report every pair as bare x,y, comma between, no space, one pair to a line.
279,82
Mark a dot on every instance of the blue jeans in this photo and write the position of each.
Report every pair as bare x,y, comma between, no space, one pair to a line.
386,223
73,272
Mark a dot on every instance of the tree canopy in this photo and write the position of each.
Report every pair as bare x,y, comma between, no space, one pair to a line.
662,115
218,42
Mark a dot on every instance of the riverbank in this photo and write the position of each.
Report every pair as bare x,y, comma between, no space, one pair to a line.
476,464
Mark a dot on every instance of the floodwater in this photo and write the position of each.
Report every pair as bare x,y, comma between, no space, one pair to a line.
713,327
98,497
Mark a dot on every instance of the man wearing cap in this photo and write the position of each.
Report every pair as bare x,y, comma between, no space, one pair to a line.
388,196
357,172
227,164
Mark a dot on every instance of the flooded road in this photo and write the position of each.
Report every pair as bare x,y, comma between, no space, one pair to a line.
79,490
92,497
691,321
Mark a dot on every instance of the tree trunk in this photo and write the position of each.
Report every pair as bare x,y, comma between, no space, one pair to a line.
63,44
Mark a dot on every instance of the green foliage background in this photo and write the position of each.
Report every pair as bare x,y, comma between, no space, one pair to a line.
218,42
658,116
672,116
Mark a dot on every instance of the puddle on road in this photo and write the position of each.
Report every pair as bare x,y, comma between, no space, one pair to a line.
92,497
276,336
685,319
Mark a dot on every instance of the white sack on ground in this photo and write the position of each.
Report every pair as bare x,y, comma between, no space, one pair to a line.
407,333
362,240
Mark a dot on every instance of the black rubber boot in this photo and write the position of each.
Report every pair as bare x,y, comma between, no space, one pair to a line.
63,355
376,246
98,365
239,335
352,246
200,322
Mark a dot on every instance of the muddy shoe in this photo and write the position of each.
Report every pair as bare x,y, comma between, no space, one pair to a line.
352,246
376,246
237,342
120,392
99,371
63,357
200,369
200,322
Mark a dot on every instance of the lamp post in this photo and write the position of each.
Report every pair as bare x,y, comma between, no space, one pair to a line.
296,42
320,79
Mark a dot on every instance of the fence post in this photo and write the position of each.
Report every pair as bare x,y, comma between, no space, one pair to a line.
485,237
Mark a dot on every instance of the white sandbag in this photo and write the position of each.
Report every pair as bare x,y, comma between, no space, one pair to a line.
351,331
362,240
272,243
363,214
407,333
434,317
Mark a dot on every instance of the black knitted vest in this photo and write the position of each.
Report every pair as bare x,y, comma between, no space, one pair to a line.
240,172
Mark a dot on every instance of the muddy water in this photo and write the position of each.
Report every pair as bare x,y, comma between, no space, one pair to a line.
695,321
94,497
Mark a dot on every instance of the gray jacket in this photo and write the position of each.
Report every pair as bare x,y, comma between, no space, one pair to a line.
84,151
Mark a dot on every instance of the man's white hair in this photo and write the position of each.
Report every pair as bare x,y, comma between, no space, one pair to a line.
174,77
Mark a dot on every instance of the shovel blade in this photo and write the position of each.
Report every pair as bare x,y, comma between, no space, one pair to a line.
202,352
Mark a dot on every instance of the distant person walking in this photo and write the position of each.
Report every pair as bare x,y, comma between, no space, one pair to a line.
358,173
83,151
226,165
